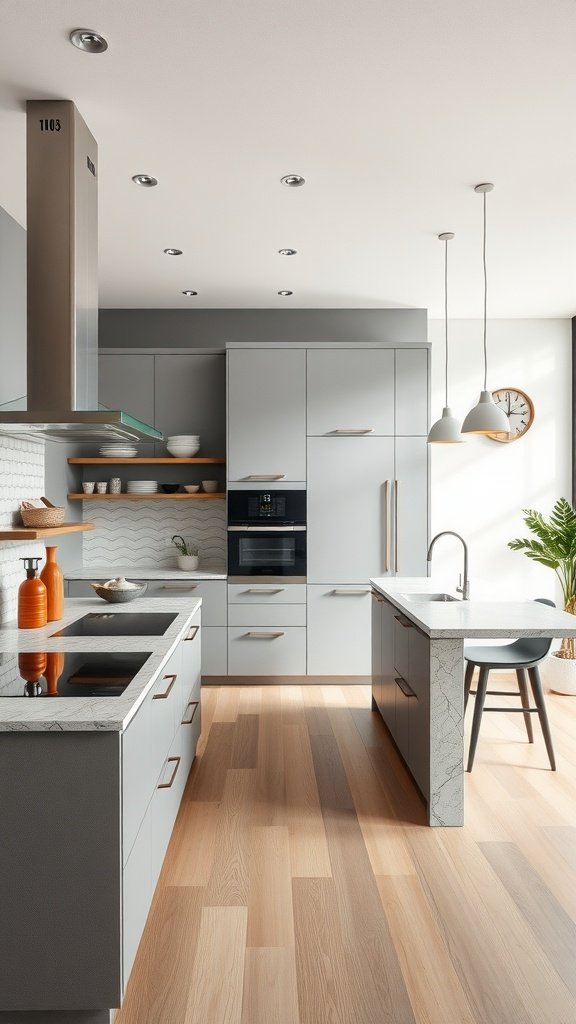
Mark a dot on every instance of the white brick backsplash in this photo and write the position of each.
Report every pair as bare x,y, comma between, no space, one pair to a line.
21,476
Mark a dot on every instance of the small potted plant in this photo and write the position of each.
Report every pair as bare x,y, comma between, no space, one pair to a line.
188,552
554,545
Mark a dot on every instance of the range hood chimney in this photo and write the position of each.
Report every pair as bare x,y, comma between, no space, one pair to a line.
62,284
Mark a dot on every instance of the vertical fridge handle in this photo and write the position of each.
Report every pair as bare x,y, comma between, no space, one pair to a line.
396,489
387,526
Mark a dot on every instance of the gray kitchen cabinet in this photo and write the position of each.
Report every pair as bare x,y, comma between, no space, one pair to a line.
388,677
411,379
349,508
214,651
350,390
376,630
339,630
411,516
190,398
420,710
127,382
267,415
277,650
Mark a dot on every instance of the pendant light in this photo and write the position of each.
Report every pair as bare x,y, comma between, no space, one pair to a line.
446,430
486,417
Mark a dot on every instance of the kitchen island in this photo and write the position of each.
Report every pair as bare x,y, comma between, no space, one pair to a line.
418,680
91,786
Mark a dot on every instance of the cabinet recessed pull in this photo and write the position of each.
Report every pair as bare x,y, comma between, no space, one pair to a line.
403,685
258,590
255,634
265,476
179,586
341,592
194,704
354,430
168,785
404,621
387,526
396,530
192,633
163,696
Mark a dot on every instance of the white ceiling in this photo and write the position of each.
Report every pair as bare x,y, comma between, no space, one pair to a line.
392,110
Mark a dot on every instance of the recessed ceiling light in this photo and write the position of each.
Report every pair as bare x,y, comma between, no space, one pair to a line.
88,40
285,292
293,180
146,180
189,291
173,252
287,252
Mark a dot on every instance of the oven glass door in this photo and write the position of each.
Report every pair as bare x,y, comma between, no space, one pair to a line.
267,553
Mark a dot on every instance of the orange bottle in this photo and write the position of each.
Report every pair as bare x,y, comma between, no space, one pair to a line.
32,601
53,579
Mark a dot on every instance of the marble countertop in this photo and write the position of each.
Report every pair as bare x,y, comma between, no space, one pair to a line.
22,714
472,619
105,572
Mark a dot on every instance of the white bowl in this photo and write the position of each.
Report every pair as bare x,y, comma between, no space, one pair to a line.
183,437
191,488
210,486
182,451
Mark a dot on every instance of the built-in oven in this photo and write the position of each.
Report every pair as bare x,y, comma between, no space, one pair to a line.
267,535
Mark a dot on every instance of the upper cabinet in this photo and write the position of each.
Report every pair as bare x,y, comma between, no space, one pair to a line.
350,391
126,382
267,415
190,398
411,403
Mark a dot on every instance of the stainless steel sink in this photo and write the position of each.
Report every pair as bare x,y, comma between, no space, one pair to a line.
429,597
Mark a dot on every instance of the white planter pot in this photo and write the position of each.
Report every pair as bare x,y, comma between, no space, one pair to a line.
187,561
559,674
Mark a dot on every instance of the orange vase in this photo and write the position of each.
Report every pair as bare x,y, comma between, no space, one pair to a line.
32,665
53,579
32,603
54,669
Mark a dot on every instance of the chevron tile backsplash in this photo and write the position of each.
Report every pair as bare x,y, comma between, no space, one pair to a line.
134,532
21,476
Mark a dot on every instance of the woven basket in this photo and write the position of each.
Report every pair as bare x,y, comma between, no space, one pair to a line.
38,518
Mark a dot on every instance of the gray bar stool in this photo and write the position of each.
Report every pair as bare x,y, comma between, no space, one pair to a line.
523,656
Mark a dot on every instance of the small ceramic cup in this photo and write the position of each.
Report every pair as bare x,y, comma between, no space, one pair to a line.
115,485
88,488
101,487
210,486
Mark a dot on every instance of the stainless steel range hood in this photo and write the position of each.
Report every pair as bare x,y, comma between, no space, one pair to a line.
62,283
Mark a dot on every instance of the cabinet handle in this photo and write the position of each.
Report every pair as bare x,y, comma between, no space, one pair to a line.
191,703
168,785
340,592
192,633
354,430
403,685
387,526
178,586
396,489
265,476
404,621
262,635
257,590
163,696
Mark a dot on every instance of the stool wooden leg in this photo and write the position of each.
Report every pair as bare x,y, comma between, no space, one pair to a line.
523,687
478,709
536,684
470,666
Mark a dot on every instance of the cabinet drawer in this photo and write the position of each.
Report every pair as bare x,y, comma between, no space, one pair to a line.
166,800
214,651
212,592
266,593
137,890
404,702
254,616
191,652
269,652
339,630
402,636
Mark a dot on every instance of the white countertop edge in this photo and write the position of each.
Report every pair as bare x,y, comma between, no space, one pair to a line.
473,619
94,714
98,573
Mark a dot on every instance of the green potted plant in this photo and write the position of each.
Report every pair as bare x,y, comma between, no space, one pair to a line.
188,552
554,544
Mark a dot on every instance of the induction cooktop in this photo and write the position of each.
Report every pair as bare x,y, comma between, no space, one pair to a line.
119,624
71,674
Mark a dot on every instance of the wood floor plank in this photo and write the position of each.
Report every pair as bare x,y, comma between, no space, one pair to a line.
217,977
245,743
270,917
190,858
270,805
228,883
227,702
208,776
323,992
309,857
563,838
270,987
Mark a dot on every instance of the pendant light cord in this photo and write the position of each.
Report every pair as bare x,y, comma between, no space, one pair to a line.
485,296
446,314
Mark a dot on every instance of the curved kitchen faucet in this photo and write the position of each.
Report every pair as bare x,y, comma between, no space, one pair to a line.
465,588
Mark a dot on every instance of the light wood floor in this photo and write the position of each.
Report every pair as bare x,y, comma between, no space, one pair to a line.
301,885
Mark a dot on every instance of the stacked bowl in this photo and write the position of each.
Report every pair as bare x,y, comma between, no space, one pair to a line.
183,446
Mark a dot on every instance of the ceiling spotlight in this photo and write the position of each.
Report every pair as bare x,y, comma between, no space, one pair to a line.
285,292
173,252
287,252
88,40
146,180
293,180
189,291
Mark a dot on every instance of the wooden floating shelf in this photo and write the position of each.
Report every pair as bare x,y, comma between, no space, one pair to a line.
154,496
31,533
146,462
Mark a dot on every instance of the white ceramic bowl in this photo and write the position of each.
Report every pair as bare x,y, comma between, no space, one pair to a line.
191,488
210,486
182,451
183,437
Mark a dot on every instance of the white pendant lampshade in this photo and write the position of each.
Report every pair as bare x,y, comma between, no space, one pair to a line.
485,417
446,430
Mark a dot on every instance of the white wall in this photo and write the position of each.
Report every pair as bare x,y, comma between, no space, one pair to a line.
480,488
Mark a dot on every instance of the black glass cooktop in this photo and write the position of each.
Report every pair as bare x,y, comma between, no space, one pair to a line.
74,674
119,624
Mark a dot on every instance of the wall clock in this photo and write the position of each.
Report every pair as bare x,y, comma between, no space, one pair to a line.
519,409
